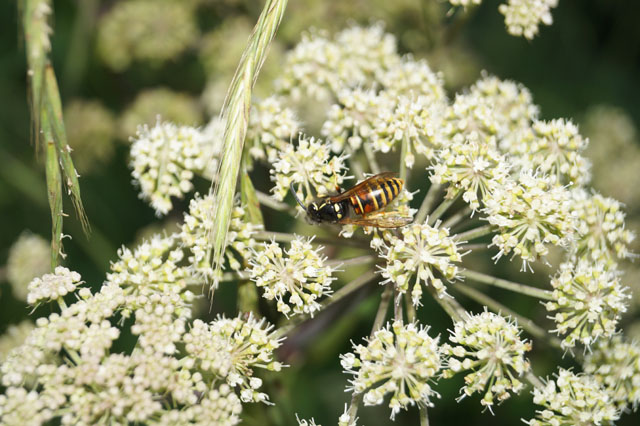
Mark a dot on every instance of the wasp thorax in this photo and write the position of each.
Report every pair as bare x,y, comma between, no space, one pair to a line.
326,211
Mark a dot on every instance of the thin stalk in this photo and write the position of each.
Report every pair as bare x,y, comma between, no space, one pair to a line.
235,112
473,247
457,217
533,379
283,237
411,310
449,305
356,399
472,234
403,154
508,285
424,416
355,165
359,260
371,158
397,307
427,203
528,325
442,208
274,204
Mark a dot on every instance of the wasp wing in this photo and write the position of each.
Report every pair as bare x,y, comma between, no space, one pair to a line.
380,220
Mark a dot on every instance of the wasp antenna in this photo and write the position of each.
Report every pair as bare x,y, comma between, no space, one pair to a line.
293,191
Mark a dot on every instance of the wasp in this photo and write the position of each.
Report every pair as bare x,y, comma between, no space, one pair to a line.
365,199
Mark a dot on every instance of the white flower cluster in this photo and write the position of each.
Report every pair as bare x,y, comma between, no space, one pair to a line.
29,257
470,166
573,399
321,66
530,214
307,165
197,227
400,359
522,17
164,159
491,347
271,127
601,228
52,286
230,349
296,278
554,148
424,252
588,299
615,364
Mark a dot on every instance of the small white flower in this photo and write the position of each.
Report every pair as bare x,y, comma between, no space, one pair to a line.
522,17
52,286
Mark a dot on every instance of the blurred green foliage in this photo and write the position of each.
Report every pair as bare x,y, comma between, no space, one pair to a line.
589,56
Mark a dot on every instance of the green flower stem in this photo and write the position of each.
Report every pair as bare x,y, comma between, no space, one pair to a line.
381,314
427,203
283,237
397,307
424,416
371,158
411,310
457,217
473,247
355,165
236,109
508,285
533,379
274,204
442,208
403,155
472,234
359,260
449,304
497,307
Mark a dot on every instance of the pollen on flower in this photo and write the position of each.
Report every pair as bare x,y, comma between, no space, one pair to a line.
164,160
231,349
588,301
52,286
423,255
615,364
296,278
471,166
573,399
195,233
601,228
401,360
490,346
308,165
530,213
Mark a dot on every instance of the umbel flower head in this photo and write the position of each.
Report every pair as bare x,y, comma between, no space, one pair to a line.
530,213
196,229
164,160
271,127
615,364
52,286
471,166
588,300
308,165
601,229
491,347
230,349
573,399
400,359
522,17
29,257
296,278
423,255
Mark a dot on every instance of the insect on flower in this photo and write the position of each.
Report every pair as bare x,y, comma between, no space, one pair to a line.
366,199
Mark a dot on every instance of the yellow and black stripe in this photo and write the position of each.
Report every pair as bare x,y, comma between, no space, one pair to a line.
375,195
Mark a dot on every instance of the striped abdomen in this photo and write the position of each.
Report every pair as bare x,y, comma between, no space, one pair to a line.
375,194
